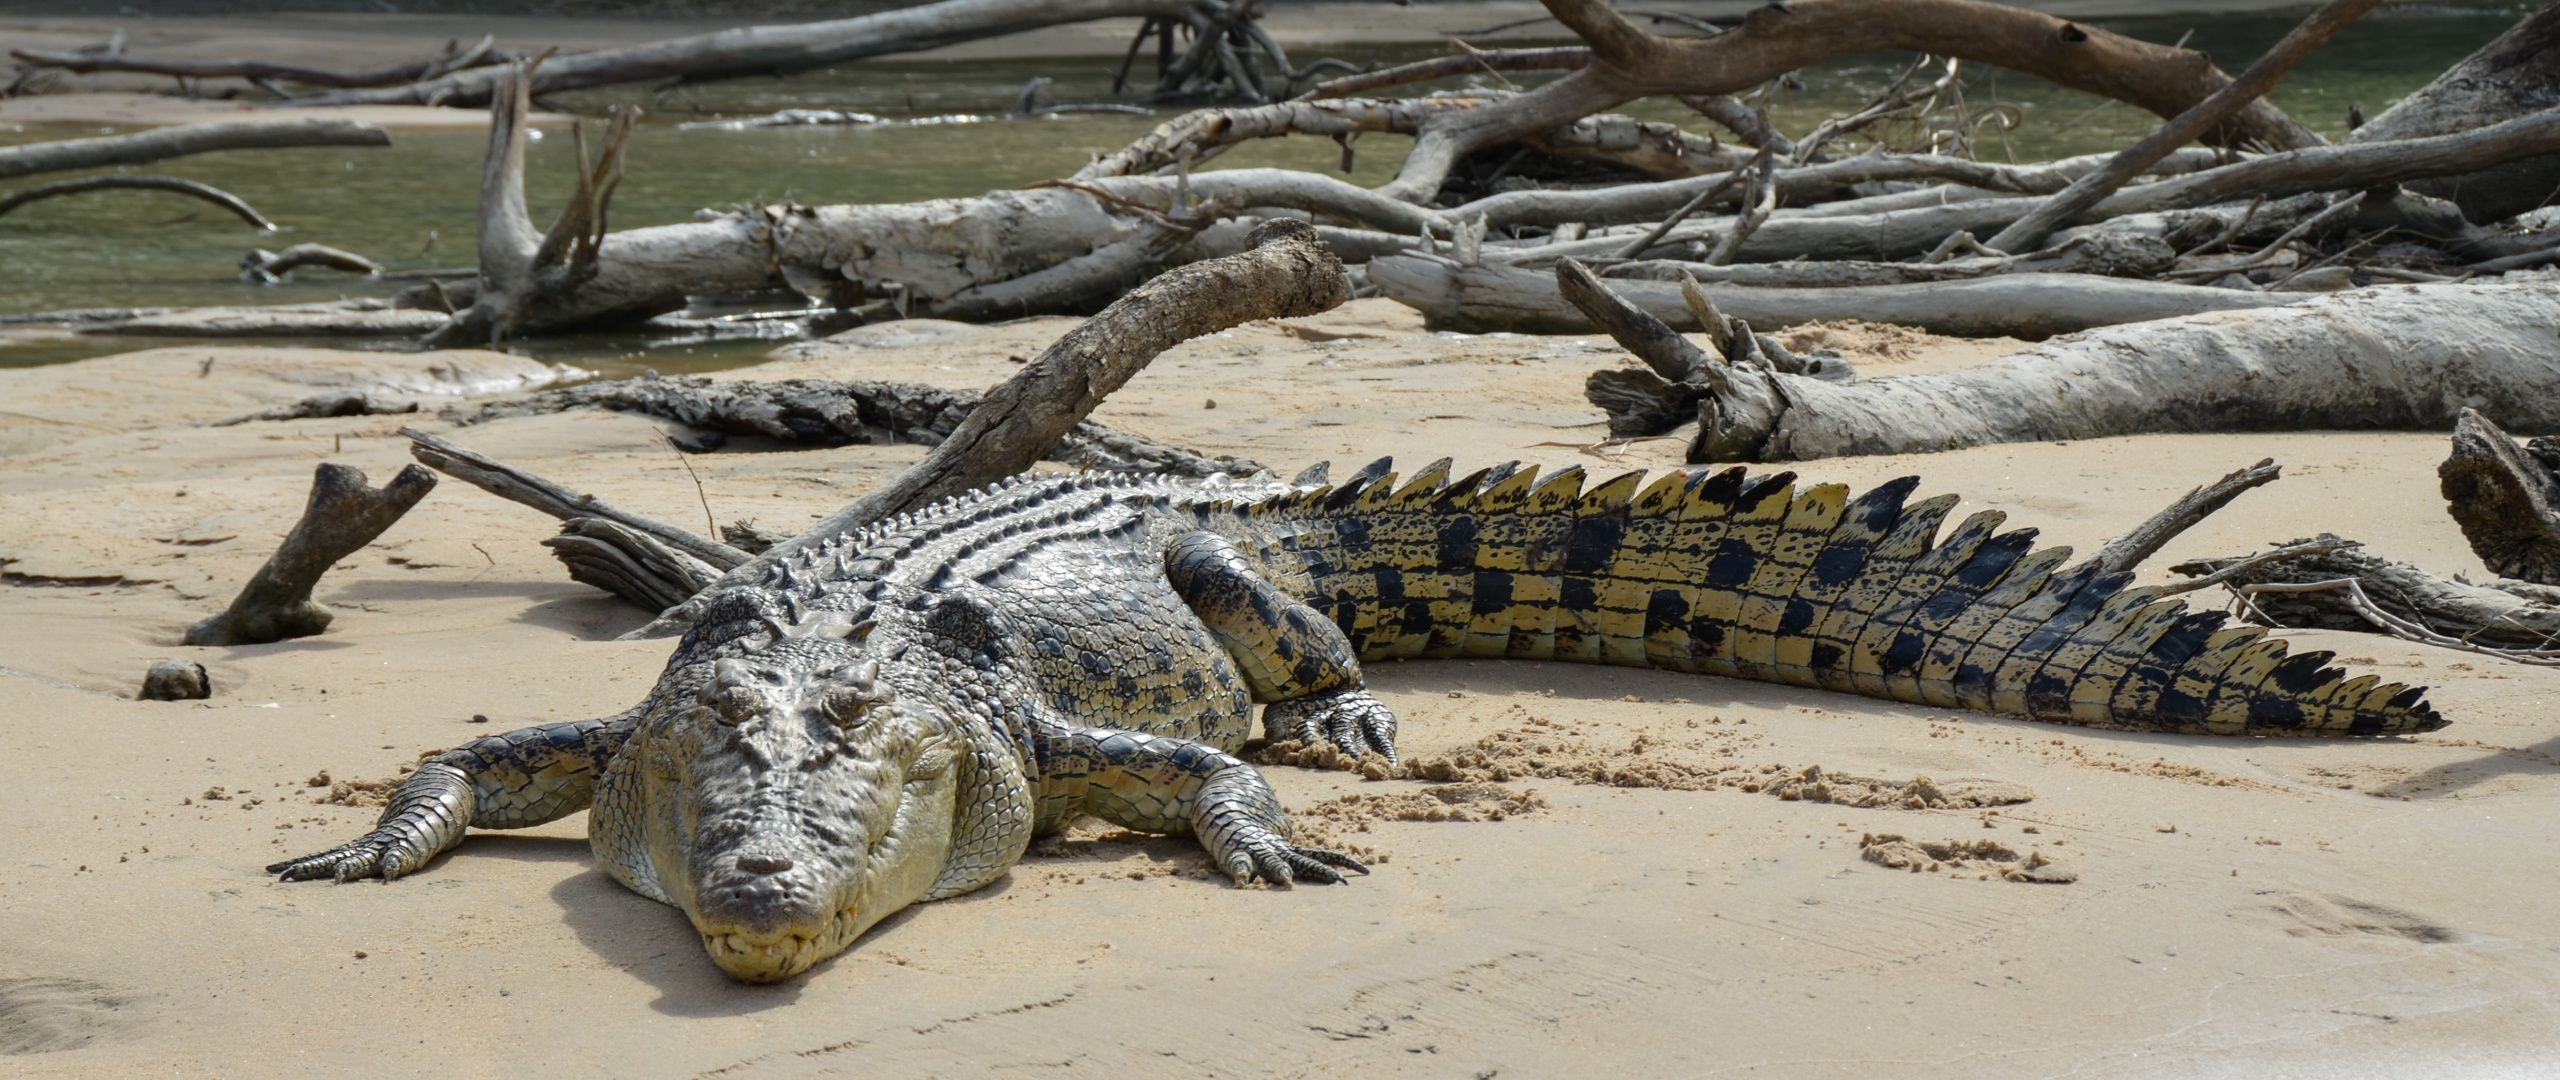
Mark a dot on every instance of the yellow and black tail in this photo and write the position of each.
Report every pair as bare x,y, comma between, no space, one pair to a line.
1721,573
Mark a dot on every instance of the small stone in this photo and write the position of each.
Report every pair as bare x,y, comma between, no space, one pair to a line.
176,680
479,718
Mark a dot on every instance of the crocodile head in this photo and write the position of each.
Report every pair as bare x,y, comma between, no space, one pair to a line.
794,802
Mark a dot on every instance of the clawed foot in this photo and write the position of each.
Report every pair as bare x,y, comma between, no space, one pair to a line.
1352,720
1267,858
426,815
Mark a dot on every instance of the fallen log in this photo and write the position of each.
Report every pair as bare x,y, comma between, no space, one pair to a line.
342,516
1288,272
828,412
262,72
1492,296
2400,357
2506,498
169,142
2516,75
763,50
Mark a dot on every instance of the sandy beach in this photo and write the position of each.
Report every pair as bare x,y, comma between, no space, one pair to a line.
1640,896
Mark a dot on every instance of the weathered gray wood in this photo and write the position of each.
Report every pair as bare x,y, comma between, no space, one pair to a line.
2516,75
2400,357
2142,541
518,486
342,516
1495,297
764,50
2477,615
829,412
2506,498
169,142
2067,205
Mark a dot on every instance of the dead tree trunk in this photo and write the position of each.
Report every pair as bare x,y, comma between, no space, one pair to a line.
169,142
2506,498
342,516
2516,75
1287,272
2406,357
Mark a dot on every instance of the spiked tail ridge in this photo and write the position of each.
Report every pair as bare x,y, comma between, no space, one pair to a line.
1724,573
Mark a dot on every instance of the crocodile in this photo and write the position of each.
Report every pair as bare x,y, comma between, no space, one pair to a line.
892,716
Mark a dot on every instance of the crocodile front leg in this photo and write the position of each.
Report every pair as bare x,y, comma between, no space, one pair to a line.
1291,655
512,781
1158,784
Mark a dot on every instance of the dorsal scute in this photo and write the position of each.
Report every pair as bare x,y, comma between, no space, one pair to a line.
1424,485
1506,488
1556,493
1662,496
1610,496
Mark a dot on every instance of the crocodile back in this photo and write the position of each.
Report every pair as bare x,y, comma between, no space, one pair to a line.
1719,572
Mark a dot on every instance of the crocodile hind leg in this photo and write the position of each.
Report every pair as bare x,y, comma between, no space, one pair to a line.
1160,784
1293,658
511,781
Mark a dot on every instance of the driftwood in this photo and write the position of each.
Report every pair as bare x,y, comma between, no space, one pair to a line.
2516,75
2142,541
1492,297
190,188
264,73
2332,584
2213,112
262,267
2406,357
517,486
827,412
1288,272
763,50
2506,498
169,142
342,516
1628,63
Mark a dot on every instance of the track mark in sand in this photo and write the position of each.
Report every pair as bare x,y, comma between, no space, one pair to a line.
1983,860
1703,757
1464,801
2306,915
1010,1010
763,1059
44,1013
1523,987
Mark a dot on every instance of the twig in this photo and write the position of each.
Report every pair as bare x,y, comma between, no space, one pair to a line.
2333,211
516,485
1756,208
2398,627
2127,551
1711,194
2307,547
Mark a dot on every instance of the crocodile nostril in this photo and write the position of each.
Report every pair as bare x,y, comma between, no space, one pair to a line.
763,864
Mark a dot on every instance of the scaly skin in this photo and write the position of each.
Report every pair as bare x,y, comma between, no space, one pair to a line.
894,716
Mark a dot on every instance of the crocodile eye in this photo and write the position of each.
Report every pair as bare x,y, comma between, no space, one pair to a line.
846,705
734,704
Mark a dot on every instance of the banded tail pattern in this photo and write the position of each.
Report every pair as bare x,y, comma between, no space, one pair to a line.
1723,573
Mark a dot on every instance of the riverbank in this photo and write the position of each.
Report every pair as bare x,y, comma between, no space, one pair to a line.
2240,908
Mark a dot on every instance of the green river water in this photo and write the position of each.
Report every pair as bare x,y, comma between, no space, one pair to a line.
411,205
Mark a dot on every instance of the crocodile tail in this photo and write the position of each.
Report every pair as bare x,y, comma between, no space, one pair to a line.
1723,573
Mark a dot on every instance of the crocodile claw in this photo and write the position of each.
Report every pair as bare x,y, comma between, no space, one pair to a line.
1353,720
1269,859
425,816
